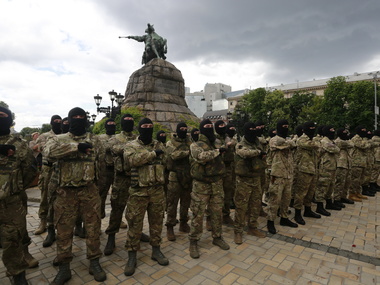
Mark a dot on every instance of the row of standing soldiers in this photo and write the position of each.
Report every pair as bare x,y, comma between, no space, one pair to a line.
204,172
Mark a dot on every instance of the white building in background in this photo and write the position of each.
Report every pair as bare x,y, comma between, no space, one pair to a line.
196,102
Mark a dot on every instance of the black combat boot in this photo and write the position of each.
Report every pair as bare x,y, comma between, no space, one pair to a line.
339,204
131,264
270,227
97,270
291,203
50,238
63,275
170,233
184,227
298,217
310,214
194,252
331,206
144,237
346,201
321,210
158,256
366,191
110,246
79,229
20,279
288,223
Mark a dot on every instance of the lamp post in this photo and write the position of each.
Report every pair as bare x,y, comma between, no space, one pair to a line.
110,111
376,108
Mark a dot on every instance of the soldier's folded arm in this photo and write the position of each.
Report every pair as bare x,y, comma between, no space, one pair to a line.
139,157
201,155
245,152
56,150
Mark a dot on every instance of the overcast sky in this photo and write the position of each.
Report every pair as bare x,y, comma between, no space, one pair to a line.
56,55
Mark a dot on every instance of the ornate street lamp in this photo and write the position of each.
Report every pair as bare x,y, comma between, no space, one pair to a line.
110,111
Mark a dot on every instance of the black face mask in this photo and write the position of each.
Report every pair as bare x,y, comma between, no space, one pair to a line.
272,133
65,127
110,129
127,125
307,129
145,133
281,131
327,133
299,130
161,138
181,134
220,130
194,136
77,126
208,132
230,132
249,135
5,123
342,134
56,127
361,133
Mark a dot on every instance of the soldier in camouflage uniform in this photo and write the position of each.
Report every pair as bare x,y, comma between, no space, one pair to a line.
248,195
281,175
376,167
306,170
366,188
194,135
222,140
46,173
17,171
179,186
326,172
343,171
298,134
106,164
207,171
145,159
76,153
65,125
359,163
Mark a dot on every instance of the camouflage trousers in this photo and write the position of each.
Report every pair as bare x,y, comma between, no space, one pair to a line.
278,196
52,194
104,184
368,173
228,188
375,172
141,200
13,233
73,202
208,195
43,184
357,180
119,198
247,199
342,183
177,193
325,186
304,189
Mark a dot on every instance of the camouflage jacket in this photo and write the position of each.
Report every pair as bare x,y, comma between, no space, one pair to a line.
329,155
344,157
76,169
107,159
247,159
282,159
178,151
370,151
376,149
359,152
117,145
147,169
228,143
16,171
206,162
306,155
41,142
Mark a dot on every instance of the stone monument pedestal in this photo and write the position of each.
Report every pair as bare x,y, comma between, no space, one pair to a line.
158,89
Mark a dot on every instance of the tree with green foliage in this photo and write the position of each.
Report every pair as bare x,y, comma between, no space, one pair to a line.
298,103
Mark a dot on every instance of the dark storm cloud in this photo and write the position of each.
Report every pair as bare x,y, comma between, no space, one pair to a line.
309,39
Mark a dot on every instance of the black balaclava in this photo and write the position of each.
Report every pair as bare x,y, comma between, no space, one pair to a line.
299,130
359,131
230,132
65,127
259,128
77,126
208,132
342,134
5,123
110,129
320,130
272,132
376,133
328,133
249,135
281,131
145,133
194,136
56,127
127,125
161,138
220,130
309,129
181,134
369,135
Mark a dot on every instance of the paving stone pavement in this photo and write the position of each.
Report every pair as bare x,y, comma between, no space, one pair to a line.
341,249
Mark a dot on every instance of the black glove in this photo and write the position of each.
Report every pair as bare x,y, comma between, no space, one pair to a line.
222,150
158,151
5,147
82,147
262,154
